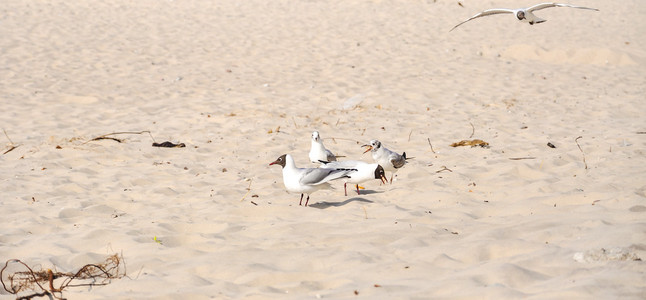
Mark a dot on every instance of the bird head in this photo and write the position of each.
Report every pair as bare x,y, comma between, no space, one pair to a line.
315,136
520,15
374,145
280,161
380,173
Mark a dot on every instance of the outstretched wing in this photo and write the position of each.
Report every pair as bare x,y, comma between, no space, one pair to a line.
485,13
552,4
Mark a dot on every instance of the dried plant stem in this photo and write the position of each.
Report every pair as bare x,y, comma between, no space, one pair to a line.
473,130
444,168
336,138
12,145
5,134
248,191
577,144
429,143
107,136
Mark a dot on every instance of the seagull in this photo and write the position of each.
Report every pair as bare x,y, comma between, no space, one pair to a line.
307,180
522,14
388,159
318,151
365,172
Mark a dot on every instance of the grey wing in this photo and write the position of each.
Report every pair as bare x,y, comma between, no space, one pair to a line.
397,160
485,13
318,176
343,164
330,155
552,4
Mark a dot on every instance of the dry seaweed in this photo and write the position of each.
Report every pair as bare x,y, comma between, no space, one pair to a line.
169,145
472,143
42,283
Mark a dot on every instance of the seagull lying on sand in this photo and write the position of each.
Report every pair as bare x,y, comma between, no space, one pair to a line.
365,172
318,151
307,180
388,159
522,14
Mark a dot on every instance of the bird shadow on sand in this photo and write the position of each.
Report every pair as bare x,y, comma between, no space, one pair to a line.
325,204
368,192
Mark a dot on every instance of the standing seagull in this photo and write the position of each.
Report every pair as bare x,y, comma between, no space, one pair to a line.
388,159
307,180
522,14
365,172
318,151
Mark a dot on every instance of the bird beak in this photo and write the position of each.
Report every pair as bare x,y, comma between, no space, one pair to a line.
383,179
369,148
273,162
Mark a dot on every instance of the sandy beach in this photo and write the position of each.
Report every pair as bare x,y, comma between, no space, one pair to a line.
242,82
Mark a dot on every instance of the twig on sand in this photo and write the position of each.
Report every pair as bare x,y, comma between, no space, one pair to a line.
521,158
248,190
577,144
5,134
411,132
473,130
336,138
365,212
12,145
107,136
429,143
444,168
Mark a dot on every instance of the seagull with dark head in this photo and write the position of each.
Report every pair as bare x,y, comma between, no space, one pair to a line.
308,180
365,172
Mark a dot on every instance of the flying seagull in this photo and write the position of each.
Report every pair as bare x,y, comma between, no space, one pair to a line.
522,14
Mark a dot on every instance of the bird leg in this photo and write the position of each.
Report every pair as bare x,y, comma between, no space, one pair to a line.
345,189
391,178
301,203
308,200
358,190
